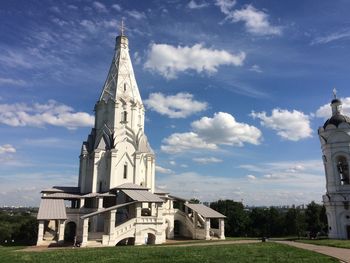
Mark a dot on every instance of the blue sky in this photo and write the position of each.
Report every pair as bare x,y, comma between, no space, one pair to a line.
234,92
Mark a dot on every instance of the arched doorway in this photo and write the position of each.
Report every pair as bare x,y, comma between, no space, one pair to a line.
129,241
151,239
70,232
177,228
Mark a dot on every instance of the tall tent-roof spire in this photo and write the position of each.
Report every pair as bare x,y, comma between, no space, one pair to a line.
121,82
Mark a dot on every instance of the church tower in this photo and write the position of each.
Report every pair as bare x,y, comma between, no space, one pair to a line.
117,150
335,144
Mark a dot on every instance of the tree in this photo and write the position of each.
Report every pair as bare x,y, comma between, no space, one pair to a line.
315,219
236,217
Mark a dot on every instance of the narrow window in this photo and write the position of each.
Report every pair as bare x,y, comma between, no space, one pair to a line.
100,188
343,169
124,87
125,116
125,173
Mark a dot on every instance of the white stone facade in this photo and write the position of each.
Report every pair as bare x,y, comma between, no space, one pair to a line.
116,201
335,144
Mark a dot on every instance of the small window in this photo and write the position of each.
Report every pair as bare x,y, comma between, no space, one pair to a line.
100,187
124,116
125,172
343,170
124,87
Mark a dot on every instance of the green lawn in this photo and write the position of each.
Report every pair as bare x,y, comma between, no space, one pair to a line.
259,252
327,242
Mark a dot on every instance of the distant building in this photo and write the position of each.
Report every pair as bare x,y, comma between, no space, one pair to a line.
335,143
115,201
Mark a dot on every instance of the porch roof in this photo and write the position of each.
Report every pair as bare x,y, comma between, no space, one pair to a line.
142,196
51,209
205,211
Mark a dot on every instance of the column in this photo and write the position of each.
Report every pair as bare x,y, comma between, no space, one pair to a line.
95,171
137,175
85,232
82,203
207,228
222,228
100,203
111,226
154,209
60,231
138,209
40,233
160,210
194,234
113,179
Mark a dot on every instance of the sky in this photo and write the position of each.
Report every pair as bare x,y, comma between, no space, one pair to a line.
234,92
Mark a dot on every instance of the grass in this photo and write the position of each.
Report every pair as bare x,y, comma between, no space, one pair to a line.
327,242
259,252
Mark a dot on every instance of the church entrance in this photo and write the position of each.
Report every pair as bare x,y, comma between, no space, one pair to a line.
348,231
177,226
70,231
151,239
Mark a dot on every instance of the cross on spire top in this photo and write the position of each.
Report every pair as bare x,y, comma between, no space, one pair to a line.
335,93
122,28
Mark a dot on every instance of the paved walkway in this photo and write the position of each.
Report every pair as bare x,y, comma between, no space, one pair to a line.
342,254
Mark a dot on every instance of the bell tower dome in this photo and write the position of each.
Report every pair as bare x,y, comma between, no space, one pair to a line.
335,144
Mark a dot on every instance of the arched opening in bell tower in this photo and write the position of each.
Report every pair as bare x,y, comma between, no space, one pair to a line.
343,170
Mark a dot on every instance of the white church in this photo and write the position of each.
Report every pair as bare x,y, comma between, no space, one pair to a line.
116,201
335,144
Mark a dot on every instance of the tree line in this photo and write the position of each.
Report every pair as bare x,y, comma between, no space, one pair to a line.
18,227
271,221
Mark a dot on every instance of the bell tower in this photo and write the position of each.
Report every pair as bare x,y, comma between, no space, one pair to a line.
117,150
335,144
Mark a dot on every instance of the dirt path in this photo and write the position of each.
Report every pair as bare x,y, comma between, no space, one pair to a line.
342,254
213,243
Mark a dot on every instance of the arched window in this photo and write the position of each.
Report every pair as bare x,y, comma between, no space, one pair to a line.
124,117
343,170
125,172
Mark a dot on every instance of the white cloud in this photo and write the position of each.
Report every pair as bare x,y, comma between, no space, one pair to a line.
7,148
180,105
89,25
99,7
208,133
256,68
344,34
193,5
256,21
225,5
163,170
206,160
117,7
251,177
73,7
169,60
224,129
136,14
325,111
290,125
180,142
9,81
39,115
13,59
